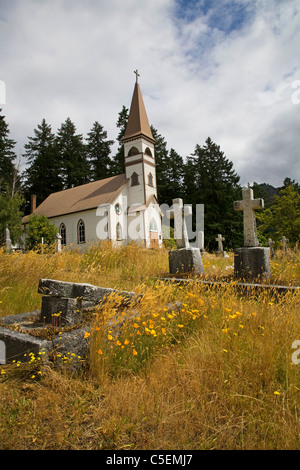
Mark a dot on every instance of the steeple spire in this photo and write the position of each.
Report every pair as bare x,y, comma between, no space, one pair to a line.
138,124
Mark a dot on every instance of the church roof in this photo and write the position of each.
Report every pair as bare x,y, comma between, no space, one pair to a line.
81,198
138,123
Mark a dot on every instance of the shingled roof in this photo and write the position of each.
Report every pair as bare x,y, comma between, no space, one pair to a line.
81,198
138,123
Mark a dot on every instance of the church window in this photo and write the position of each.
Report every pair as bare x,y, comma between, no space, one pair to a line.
134,179
118,208
119,231
133,151
63,234
80,232
153,226
150,179
148,152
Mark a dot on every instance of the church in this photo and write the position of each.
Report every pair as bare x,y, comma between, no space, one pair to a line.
121,208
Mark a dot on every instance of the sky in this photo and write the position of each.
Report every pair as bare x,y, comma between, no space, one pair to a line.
225,69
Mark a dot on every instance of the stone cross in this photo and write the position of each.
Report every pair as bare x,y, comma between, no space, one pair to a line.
220,239
178,213
284,241
137,75
271,243
7,239
248,205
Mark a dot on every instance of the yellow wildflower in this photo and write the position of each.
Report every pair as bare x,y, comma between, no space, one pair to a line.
86,334
134,352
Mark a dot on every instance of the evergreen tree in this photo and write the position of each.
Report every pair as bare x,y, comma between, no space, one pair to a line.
43,175
98,150
283,217
10,214
161,161
211,180
72,154
7,156
175,171
117,166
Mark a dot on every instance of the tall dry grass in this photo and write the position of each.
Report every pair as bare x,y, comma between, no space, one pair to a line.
215,374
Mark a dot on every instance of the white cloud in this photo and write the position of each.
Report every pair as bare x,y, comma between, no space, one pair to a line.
223,73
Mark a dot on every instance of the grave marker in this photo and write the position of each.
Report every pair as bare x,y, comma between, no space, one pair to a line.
185,258
251,261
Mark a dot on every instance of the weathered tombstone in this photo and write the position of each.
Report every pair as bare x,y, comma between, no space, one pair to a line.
58,239
252,260
8,244
185,258
284,242
220,241
271,243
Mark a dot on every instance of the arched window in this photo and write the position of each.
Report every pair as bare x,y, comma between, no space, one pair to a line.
148,152
133,151
134,179
119,231
80,232
153,226
150,179
63,234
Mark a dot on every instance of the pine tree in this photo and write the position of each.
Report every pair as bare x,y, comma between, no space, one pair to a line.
7,156
211,180
283,217
43,175
72,153
161,161
117,166
98,149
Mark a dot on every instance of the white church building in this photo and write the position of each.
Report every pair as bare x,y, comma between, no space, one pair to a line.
121,208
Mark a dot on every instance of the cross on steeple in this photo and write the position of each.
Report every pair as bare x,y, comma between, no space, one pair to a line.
137,75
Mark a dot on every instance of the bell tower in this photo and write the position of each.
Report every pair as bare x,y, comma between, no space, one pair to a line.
139,151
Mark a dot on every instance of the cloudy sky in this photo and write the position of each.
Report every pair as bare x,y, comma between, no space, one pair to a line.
228,69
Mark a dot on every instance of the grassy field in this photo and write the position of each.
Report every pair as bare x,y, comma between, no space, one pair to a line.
218,374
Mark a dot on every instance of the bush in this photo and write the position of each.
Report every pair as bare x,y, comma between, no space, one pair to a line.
39,227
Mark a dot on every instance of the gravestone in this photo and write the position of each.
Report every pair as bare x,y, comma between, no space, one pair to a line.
271,243
252,260
184,258
220,241
284,242
58,239
8,244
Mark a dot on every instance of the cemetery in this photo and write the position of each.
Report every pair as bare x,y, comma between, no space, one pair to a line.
151,300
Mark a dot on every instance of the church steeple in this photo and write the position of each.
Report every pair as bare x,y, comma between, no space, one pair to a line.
138,124
139,151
